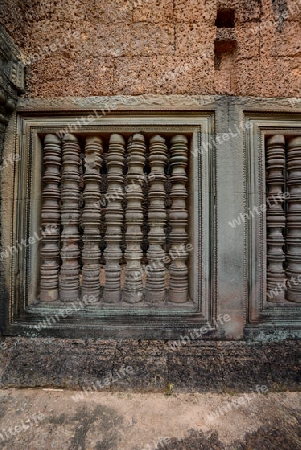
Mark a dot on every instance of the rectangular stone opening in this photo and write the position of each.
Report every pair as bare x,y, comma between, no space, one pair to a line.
283,161
225,18
273,220
116,220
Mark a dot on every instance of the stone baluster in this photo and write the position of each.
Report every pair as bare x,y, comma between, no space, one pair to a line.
50,219
275,217
178,217
69,276
155,282
293,239
91,217
133,289
114,218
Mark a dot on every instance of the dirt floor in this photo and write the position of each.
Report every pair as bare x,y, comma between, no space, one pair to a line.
42,419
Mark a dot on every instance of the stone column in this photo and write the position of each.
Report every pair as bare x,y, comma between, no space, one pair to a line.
178,217
155,282
91,217
275,217
69,276
134,219
293,239
51,219
114,218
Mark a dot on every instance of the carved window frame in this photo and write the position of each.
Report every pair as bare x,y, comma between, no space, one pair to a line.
30,124
261,313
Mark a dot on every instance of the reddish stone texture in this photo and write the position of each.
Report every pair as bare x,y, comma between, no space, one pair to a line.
194,39
109,47
152,11
174,75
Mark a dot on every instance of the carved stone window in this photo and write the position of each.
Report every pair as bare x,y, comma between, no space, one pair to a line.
284,219
274,219
118,211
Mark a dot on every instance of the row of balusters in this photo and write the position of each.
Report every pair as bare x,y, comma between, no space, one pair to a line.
60,213
283,219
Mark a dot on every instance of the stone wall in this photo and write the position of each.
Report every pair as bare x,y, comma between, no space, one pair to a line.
109,47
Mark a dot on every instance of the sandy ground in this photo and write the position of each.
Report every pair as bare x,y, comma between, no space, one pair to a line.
37,419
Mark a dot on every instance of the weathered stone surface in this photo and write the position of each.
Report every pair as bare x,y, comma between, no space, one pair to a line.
178,75
152,10
90,76
199,366
272,74
143,39
195,11
64,369
248,40
195,39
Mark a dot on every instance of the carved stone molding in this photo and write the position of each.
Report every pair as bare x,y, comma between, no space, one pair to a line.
105,104
102,106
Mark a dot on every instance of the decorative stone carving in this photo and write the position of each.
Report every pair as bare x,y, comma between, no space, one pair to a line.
178,217
275,217
91,217
69,276
50,219
125,102
293,239
16,74
134,219
11,81
12,68
155,282
114,218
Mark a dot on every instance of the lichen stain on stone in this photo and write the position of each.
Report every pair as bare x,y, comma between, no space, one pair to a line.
281,10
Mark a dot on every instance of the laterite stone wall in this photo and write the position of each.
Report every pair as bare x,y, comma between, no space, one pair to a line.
108,47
